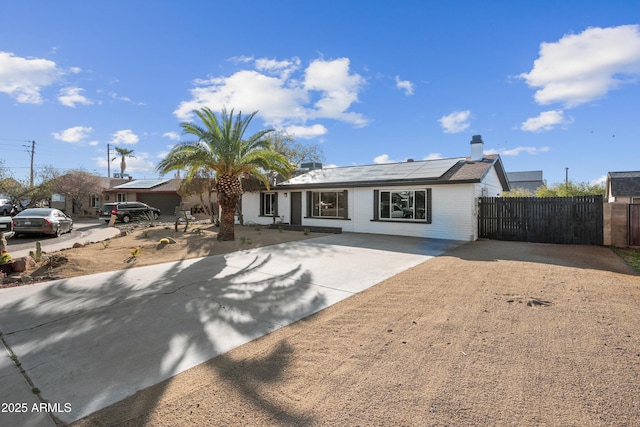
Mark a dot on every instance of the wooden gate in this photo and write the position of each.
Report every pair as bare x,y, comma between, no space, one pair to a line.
634,225
566,220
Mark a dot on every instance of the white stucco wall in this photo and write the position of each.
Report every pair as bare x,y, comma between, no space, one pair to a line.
453,211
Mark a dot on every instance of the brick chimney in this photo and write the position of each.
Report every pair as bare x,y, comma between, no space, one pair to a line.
477,148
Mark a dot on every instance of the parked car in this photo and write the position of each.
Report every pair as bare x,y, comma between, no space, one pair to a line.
128,211
42,221
6,207
6,226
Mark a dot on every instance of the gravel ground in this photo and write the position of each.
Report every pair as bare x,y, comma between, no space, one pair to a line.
491,333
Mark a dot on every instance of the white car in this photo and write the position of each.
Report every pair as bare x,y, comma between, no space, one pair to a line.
6,207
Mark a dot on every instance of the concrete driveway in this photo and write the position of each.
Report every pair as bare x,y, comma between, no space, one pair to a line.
91,341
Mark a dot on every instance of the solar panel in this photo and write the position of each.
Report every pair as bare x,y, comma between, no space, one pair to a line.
427,169
142,184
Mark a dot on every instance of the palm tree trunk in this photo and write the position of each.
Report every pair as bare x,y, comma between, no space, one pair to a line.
229,191
227,219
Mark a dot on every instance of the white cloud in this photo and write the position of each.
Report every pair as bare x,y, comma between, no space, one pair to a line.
73,135
433,156
125,136
172,135
456,121
71,96
24,78
583,67
282,99
600,181
546,120
518,150
383,158
404,85
306,132
281,68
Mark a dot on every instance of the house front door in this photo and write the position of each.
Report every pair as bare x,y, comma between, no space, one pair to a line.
296,208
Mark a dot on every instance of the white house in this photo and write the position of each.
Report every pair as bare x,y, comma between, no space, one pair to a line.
430,198
623,187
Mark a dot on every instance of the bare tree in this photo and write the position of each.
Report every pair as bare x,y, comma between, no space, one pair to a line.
79,185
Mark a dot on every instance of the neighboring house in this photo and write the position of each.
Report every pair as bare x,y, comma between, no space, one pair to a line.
160,193
431,198
526,180
623,187
92,205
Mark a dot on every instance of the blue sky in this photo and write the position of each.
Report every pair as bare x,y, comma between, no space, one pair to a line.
548,84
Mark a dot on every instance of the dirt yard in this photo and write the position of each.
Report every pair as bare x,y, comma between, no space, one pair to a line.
116,253
491,333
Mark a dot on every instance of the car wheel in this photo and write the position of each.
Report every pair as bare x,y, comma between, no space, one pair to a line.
58,232
126,219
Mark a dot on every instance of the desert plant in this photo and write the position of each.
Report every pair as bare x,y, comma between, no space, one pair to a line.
37,255
306,231
135,252
245,239
5,258
106,243
164,241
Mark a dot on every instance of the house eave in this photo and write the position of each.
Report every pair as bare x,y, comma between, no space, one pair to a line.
375,183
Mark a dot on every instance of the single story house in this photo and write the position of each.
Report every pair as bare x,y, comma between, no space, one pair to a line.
160,193
526,180
623,187
92,204
430,198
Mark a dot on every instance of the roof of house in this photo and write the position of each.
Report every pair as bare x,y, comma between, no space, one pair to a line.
624,183
524,176
159,185
529,180
441,171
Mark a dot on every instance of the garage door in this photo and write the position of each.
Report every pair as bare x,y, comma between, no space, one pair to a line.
165,202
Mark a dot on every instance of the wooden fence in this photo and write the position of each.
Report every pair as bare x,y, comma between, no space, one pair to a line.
634,225
566,220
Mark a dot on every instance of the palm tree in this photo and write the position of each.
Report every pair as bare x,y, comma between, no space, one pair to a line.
220,147
123,164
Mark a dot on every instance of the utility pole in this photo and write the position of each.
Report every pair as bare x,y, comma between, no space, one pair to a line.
108,161
33,152
566,178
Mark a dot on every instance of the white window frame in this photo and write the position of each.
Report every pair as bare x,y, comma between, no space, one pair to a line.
95,201
121,197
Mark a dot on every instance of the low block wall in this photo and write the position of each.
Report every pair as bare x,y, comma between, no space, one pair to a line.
616,224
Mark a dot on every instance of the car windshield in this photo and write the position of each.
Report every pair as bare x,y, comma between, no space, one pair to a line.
35,212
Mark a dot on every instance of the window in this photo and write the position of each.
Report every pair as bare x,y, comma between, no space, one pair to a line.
95,201
403,205
269,204
635,200
121,197
327,204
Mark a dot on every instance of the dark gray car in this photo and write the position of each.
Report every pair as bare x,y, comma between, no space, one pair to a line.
128,211
49,221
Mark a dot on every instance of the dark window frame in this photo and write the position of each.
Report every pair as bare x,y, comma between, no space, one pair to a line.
344,206
387,194
274,203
